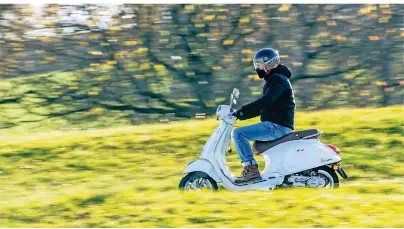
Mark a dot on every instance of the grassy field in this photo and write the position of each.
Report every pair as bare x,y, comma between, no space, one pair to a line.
128,176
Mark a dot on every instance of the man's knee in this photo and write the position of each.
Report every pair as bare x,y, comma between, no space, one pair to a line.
236,133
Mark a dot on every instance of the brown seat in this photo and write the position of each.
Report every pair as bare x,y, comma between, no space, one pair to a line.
261,146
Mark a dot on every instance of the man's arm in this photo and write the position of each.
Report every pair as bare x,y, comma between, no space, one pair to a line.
272,93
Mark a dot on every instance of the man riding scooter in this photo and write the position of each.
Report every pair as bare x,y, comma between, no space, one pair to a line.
276,107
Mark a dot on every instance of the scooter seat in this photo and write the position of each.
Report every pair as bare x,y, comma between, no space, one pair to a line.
261,146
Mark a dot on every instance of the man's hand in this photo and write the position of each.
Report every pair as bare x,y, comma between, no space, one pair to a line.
237,113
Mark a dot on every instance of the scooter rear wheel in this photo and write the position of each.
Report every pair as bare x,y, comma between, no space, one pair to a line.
330,175
196,181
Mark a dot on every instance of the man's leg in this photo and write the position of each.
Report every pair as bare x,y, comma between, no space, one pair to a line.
263,131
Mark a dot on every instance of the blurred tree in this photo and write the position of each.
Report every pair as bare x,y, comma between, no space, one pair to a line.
149,61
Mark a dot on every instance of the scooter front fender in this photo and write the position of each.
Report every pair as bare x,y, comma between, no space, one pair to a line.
202,165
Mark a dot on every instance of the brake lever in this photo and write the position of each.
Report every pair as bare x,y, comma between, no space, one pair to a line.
229,149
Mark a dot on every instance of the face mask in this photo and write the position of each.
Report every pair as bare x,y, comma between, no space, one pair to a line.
261,73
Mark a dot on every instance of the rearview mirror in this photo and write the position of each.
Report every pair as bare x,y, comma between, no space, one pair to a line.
236,93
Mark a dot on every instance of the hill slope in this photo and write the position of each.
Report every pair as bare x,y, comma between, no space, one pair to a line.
128,177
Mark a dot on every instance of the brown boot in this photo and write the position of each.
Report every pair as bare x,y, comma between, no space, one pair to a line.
250,173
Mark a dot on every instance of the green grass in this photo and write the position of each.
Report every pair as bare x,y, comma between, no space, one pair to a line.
128,177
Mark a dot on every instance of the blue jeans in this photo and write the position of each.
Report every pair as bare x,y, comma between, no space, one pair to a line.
263,131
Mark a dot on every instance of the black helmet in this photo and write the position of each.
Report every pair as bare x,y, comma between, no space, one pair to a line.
266,59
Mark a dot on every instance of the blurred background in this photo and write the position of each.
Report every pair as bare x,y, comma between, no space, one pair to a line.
93,65
91,97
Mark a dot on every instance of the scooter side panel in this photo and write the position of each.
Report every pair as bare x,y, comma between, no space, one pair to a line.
202,165
295,156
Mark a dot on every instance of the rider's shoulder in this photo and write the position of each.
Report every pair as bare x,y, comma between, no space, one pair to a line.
278,77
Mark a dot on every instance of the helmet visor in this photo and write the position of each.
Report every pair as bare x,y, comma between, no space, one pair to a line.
266,65
259,64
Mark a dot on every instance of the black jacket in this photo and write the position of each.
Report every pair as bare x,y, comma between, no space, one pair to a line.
277,103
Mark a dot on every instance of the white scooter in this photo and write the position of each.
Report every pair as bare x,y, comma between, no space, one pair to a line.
298,159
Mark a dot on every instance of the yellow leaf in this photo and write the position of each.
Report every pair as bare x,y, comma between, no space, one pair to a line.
386,11
50,58
95,52
245,20
189,8
383,6
94,36
96,110
115,28
331,23
111,62
179,66
83,43
200,25
141,50
164,33
133,65
223,10
209,17
374,38
257,10
94,64
43,38
283,56
322,18
383,20
216,68
144,66
247,51
365,10
381,83
50,24
130,43
284,7
163,41
102,78
93,93
339,37
253,77
402,34
73,88
364,93
228,42
159,67
91,22
104,44
392,30
190,73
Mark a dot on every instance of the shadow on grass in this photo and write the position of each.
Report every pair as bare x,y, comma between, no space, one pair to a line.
200,220
369,142
93,200
79,167
30,153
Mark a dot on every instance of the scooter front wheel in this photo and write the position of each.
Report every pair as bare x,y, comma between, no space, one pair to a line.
196,181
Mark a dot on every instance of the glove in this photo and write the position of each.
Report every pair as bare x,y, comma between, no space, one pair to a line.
261,73
237,113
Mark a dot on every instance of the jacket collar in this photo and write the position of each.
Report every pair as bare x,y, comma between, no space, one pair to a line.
280,69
